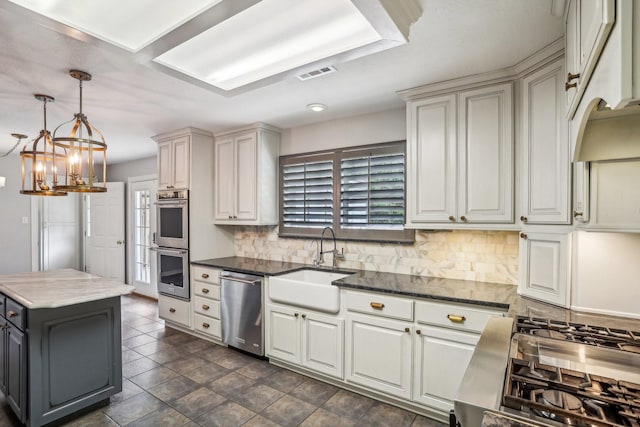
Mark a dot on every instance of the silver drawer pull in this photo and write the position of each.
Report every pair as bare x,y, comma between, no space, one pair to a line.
455,318
11,313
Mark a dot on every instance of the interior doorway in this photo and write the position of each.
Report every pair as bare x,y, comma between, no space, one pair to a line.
105,232
141,223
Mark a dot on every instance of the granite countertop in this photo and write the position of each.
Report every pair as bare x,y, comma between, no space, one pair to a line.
261,267
451,290
59,288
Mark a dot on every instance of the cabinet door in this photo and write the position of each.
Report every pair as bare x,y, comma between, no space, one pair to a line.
3,356
379,354
485,154
441,358
545,154
165,165
322,338
431,168
615,195
544,267
246,177
283,333
581,186
587,27
181,160
16,359
224,184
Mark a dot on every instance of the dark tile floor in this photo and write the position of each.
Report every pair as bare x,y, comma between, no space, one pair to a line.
174,379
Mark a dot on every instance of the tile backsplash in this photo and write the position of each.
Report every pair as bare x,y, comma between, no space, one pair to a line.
486,256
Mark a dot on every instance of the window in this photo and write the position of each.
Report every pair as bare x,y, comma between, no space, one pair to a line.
360,192
142,236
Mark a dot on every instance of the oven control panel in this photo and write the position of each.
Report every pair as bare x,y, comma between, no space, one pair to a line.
173,194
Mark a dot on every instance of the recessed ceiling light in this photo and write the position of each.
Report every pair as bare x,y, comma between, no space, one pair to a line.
317,107
131,25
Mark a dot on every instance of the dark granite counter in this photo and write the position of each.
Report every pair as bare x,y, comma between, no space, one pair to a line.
452,290
260,267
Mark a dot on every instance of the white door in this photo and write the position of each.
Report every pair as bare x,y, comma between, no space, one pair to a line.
224,182
322,343
246,176
56,238
141,221
283,339
104,234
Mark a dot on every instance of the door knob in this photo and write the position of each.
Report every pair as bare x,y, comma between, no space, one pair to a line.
463,218
523,236
524,218
452,218
120,242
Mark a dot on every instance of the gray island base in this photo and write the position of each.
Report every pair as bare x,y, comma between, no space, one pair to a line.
62,358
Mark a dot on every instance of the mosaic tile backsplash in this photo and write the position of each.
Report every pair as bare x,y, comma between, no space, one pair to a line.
486,256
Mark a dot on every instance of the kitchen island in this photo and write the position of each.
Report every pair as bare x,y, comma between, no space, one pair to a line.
60,343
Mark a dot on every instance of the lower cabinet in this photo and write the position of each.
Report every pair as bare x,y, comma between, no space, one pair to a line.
306,338
67,359
174,310
379,354
442,356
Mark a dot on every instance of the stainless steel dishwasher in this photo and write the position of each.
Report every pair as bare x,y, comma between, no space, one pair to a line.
242,311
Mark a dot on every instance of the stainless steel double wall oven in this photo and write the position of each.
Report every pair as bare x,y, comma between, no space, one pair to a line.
172,239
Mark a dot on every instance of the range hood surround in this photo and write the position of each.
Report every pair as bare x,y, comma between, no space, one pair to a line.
609,134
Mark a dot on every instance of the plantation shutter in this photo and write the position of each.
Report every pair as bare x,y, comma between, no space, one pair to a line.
307,194
372,191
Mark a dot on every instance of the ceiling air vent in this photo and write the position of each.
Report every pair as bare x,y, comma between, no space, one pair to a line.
316,73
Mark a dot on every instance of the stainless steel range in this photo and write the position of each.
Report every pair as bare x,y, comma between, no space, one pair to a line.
557,373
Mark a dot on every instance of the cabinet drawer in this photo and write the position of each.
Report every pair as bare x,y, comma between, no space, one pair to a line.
206,290
206,306
208,326
380,305
205,274
175,310
16,314
456,316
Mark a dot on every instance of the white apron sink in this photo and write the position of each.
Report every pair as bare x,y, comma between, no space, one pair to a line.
307,288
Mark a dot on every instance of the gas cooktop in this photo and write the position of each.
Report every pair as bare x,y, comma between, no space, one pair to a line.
586,334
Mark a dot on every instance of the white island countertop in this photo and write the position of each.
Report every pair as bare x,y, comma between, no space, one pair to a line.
59,288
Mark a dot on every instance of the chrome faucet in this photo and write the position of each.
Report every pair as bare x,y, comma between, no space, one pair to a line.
320,258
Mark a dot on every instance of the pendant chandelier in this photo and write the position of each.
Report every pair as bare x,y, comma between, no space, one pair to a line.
83,151
41,160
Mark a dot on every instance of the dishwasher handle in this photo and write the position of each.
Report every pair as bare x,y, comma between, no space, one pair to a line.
239,277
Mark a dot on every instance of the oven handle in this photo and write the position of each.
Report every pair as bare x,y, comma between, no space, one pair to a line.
172,204
172,251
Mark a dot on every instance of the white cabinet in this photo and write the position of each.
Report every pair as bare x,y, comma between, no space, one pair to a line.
588,24
379,354
545,271
546,168
615,196
175,310
460,169
173,163
306,338
246,176
581,188
442,356
205,294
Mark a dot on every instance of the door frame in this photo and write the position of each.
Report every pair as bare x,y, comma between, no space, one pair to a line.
130,229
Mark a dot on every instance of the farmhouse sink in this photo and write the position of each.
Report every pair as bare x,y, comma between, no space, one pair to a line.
307,288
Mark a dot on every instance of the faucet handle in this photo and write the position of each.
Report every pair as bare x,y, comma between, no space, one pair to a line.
339,255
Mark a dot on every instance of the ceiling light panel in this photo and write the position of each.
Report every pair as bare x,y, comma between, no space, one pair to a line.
269,38
129,24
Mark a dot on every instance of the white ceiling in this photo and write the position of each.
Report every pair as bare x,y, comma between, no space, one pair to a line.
129,101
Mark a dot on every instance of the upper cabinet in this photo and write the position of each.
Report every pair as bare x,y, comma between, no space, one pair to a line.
460,169
588,24
174,156
246,176
546,168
